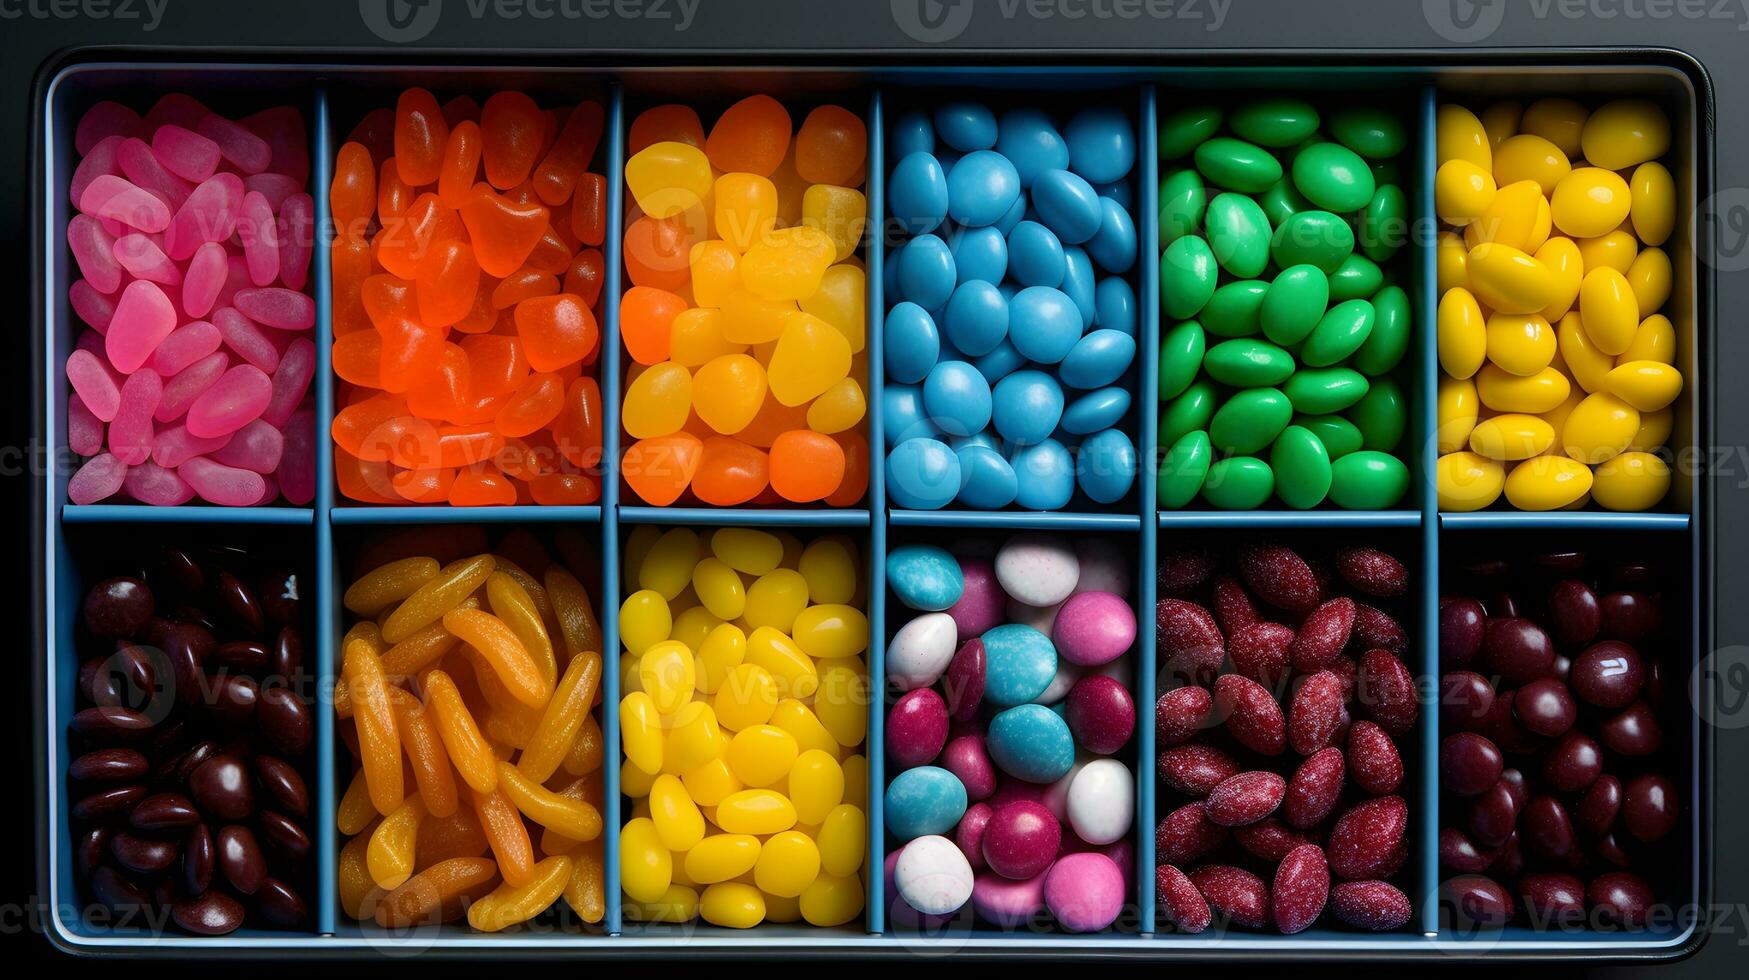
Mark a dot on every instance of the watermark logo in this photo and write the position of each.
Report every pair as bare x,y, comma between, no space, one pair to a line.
1722,222
148,14
939,21
400,21
1719,688
932,21
1464,21
406,21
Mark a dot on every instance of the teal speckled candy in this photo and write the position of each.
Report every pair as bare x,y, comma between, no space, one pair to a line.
925,800
1019,663
1029,742
924,577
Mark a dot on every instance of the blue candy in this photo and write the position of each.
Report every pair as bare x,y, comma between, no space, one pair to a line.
926,800
1026,407
917,193
1114,305
977,317
1019,663
1107,466
1002,361
966,126
1029,140
911,132
986,480
922,474
1096,360
1029,742
1114,245
890,275
957,398
1044,323
979,253
912,343
1102,144
1120,192
902,409
926,271
1016,211
925,577
1046,475
981,188
1035,255
1079,284
1095,410
1066,204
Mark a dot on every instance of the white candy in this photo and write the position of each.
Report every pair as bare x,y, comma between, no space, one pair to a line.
921,650
1103,567
1068,673
1040,618
1037,569
932,876
1102,801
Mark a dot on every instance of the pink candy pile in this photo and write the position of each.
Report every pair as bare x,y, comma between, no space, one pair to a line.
193,243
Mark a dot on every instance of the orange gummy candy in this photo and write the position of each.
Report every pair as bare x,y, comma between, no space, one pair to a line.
731,472
659,470
484,486
589,210
577,429
855,481
465,445
351,262
658,251
420,133
805,465
773,419
358,425
556,331
401,244
524,283
358,356
352,195
511,127
441,392
461,165
557,175
445,282
363,481
410,352
565,489
534,403
427,486
750,136
583,276
646,318
503,232
831,146
461,109
394,196
496,364
665,123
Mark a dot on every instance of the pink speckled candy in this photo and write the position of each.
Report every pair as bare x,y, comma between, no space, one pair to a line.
237,398
237,144
93,251
1101,714
260,238
1085,891
1021,840
91,306
980,608
143,259
104,120
916,728
245,339
966,757
969,835
297,463
114,199
291,380
277,307
1094,628
174,446
256,446
95,384
208,215
190,383
99,478
207,270
84,430
137,163
1037,569
152,484
1007,903
142,320
226,486
185,345
298,213
130,434
100,160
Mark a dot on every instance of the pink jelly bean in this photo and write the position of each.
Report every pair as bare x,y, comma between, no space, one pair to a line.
256,446
277,307
101,121
297,239
141,167
227,486
143,259
152,484
1005,903
297,462
260,238
188,155
249,152
234,400
236,277
269,491
175,109
297,368
95,164
1094,628
245,338
282,127
98,479
94,383
209,215
91,306
84,430
173,446
275,187
94,251
185,345
1084,891
130,435
204,278
119,200
181,391
92,341
143,318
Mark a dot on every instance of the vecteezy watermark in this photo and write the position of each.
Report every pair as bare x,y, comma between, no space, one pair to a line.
406,21
147,13
1719,688
1473,21
1722,221
940,21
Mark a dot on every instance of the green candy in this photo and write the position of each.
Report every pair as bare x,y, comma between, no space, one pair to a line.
1183,469
1312,238
1187,413
1182,200
1339,333
1387,172
1187,277
1238,483
1372,133
1294,303
1320,391
1238,234
1333,177
1238,165
1181,353
1183,130
1381,415
1248,363
1302,468
1339,436
1366,480
1250,420
1235,308
1384,224
1275,122
1356,277
1389,341
1281,201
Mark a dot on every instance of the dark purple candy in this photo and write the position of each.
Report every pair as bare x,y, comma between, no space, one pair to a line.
280,781
1476,901
118,608
1469,764
1633,732
1649,808
1608,674
964,683
1101,714
164,813
199,856
1545,708
142,855
108,766
285,721
1552,898
284,836
1574,614
240,603
1630,616
1572,763
213,913
1517,649
1620,898
280,905
239,858
221,787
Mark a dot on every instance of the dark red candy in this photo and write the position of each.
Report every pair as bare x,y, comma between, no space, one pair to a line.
1572,763
1318,717
1253,716
1101,714
1385,692
221,786
1195,769
964,683
1574,613
1517,649
1260,651
1493,815
1377,906
1630,616
1186,834
118,608
1233,607
1476,901
1608,674
239,859
1279,576
1366,840
284,836
280,905
1269,839
1190,645
164,812
1373,572
1313,790
1633,732
1245,798
240,602
142,855
1300,889
1234,894
1375,629
199,857
1180,714
281,782
1180,902
214,913
1469,764
1649,808
1466,698
1373,761
108,766
1457,852
1322,635
1552,899
1460,632
1181,572
1545,708
1620,898
1596,811
1547,830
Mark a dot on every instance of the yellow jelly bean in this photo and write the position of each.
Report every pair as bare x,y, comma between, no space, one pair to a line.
843,840
811,356
840,301
1517,216
787,264
760,755
1611,250
724,649
855,784
727,392
1654,341
1654,430
715,269
1467,481
746,698
628,672
1646,385
657,402
1631,481
837,408
719,588
1462,333
755,811
678,822
828,566
831,630
788,864
749,318
666,673
1608,310
1531,395
832,901
1564,262
1625,132
694,738
1459,135
1456,407
1650,277
796,718
691,627
634,783
1506,280
1598,428
668,178
1520,343
816,785
640,731
745,209
638,545
747,550
1511,436
1451,254
1462,192
711,783
1589,201
1558,120
1547,483
790,667
776,598
841,703
840,212
678,904
732,905
1528,156
722,857
646,867
1584,361
667,567
1500,121
1653,211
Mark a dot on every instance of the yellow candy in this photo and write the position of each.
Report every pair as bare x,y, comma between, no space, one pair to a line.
1517,216
1530,157
667,567
745,209
1456,407
678,822
837,408
722,652
691,627
678,904
760,755
1646,385
1459,135
1462,334
712,782
716,273
1531,395
727,392
1564,261
719,588
832,900
1560,121
667,674
1557,417
1466,481
668,178
1654,341
831,630
1611,250
840,212
1625,132
1511,436
1653,211
746,698
816,785
828,567
780,909
1500,120
1462,192
855,785
747,550
1506,280
509,904
644,620
1520,343
843,840
732,905
755,811
638,545
1547,483
840,301
694,738
787,865
721,857
841,703
1650,277
1587,364
776,598
1608,310
795,717
1589,201
811,356
646,868
794,672
749,318
628,672
1631,481
1598,428
787,263
1654,430
1451,254
640,731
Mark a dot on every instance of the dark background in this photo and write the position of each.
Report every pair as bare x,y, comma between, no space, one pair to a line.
1715,32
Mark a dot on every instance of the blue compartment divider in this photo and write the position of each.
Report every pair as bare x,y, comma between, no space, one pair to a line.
746,516
440,514
875,316
186,514
1223,519
1425,819
1147,453
610,567
327,662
